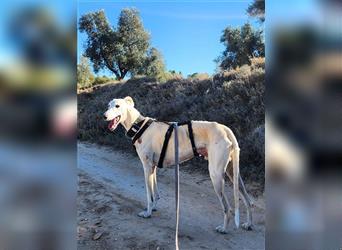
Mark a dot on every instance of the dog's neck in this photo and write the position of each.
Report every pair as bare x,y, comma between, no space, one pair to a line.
132,116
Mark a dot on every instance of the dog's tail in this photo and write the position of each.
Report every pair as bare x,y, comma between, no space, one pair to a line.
235,159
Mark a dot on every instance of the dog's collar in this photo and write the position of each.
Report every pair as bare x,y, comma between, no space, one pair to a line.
138,128
135,127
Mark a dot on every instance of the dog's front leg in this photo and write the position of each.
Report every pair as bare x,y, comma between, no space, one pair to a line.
148,184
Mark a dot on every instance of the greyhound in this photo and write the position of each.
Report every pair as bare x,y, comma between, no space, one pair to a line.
214,141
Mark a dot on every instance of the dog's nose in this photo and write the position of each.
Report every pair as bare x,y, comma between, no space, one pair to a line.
105,117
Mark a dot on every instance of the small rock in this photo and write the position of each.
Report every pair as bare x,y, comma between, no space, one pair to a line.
98,222
97,236
81,230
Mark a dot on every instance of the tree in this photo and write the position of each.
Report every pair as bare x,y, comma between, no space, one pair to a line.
154,65
257,9
123,49
242,44
84,75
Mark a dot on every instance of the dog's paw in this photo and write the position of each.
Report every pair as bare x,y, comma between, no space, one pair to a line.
144,214
247,226
221,230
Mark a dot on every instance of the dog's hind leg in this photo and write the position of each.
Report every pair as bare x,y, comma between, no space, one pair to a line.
246,200
155,192
217,166
149,189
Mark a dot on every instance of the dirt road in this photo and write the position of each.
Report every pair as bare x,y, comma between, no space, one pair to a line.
111,193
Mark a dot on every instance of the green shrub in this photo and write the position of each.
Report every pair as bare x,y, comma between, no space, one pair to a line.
101,80
85,77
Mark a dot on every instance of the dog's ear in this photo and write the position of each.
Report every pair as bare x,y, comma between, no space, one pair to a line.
129,100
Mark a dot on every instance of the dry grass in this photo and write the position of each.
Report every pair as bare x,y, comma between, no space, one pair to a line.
234,98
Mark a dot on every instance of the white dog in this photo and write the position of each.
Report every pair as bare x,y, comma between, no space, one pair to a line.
214,141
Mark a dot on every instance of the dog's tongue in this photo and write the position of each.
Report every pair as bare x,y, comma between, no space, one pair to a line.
112,123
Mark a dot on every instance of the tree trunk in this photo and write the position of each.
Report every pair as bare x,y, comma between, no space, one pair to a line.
123,74
122,71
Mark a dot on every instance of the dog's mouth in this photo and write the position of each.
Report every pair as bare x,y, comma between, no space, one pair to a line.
114,123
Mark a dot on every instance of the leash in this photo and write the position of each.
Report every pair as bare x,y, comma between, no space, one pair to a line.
175,126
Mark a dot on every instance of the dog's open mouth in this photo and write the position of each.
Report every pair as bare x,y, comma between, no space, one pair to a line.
114,123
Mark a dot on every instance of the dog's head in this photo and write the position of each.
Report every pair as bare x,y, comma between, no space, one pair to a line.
117,111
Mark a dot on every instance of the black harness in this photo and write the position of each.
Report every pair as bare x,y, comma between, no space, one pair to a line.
167,138
137,129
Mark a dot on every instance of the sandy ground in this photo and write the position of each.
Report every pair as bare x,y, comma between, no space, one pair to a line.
111,193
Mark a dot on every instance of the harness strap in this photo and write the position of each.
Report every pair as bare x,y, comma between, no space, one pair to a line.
141,131
191,136
192,139
164,148
167,138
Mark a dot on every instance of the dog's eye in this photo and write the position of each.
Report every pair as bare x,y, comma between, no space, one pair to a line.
117,106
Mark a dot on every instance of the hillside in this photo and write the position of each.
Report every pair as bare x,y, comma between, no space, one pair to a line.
234,98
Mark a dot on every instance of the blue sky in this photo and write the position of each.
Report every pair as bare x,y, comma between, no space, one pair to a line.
187,33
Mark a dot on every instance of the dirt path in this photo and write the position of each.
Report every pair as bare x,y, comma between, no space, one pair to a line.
111,193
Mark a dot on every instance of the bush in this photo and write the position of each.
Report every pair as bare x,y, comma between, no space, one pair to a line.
199,76
235,99
258,62
254,156
101,80
85,76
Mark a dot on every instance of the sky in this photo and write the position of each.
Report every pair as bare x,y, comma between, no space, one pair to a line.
186,32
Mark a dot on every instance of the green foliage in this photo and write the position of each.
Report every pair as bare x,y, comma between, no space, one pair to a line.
84,75
123,49
242,44
154,65
257,9
173,75
102,79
